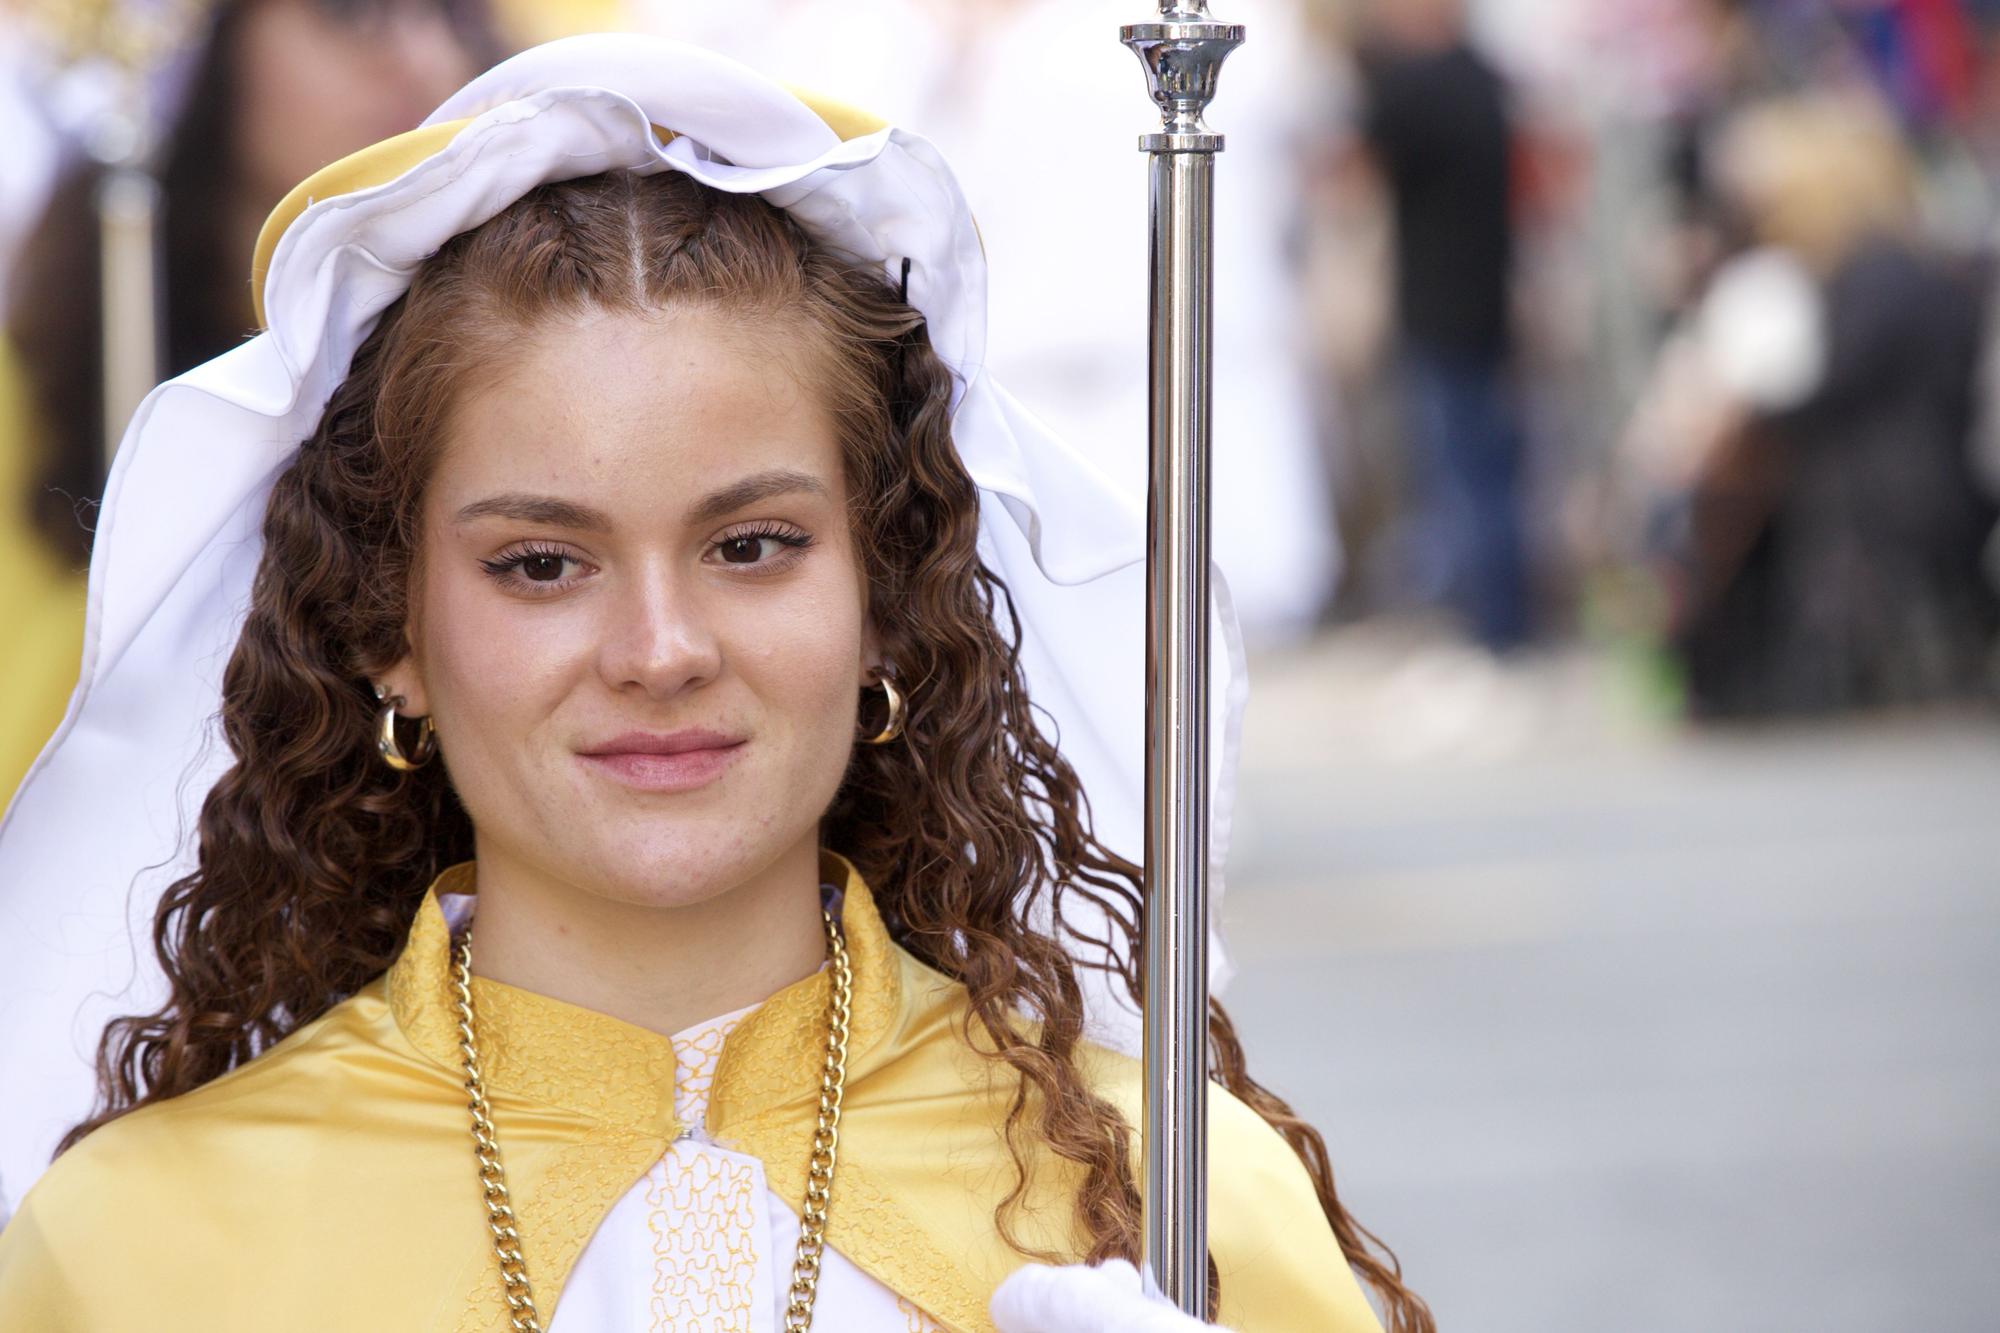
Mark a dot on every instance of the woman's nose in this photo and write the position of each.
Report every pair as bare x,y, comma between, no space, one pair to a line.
657,638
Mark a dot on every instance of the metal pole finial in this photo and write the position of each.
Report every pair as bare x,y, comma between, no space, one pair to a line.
1182,54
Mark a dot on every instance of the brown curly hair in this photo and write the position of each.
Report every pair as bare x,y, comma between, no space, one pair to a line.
314,856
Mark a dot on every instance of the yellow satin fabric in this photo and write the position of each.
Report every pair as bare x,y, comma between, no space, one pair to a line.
329,1183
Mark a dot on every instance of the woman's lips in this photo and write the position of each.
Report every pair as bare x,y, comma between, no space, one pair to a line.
664,764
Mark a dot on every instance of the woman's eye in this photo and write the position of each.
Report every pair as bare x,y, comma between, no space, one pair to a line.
766,549
542,569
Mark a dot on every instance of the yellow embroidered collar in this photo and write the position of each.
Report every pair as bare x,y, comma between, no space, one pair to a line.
560,1054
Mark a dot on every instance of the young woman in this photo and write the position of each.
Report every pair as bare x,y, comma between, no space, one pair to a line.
630,773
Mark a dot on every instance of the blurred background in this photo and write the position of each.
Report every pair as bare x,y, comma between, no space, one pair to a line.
1608,443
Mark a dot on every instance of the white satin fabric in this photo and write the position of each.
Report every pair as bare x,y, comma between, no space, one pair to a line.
105,818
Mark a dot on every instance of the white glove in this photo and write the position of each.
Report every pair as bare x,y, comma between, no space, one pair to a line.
1109,1298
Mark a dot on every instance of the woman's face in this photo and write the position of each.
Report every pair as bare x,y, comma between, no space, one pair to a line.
636,539
317,79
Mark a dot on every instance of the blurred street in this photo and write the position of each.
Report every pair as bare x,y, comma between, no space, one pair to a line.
1611,1026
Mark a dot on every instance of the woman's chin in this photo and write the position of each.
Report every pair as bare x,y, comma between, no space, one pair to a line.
699,865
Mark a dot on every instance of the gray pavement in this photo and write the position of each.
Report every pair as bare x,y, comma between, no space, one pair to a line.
1615,1028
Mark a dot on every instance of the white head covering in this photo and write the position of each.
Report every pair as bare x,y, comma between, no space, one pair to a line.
105,818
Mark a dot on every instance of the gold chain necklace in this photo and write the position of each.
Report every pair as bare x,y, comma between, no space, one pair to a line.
819,1172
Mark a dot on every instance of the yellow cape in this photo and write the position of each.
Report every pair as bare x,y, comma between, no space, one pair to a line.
329,1183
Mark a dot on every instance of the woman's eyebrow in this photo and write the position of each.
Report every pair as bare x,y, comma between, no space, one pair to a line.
547,509
757,486
526,508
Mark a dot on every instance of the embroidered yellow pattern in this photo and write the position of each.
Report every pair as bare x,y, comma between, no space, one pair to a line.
919,1322
699,1052
704,1215
704,1225
616,1079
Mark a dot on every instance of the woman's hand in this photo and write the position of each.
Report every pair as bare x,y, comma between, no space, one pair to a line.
1108,1298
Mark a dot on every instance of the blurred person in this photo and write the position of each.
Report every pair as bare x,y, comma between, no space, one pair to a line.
1809,435
1436,124
275,89
1275,536
955,70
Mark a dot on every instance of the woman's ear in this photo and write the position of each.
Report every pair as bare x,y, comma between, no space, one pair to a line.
872,663
406,681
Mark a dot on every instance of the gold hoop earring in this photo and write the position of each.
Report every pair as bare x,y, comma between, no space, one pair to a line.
391,749
894,726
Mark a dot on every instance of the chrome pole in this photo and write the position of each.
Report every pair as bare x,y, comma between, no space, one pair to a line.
128,209
128,42
1181,54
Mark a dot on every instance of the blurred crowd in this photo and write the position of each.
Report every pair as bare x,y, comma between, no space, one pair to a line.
1685,344
1662,324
